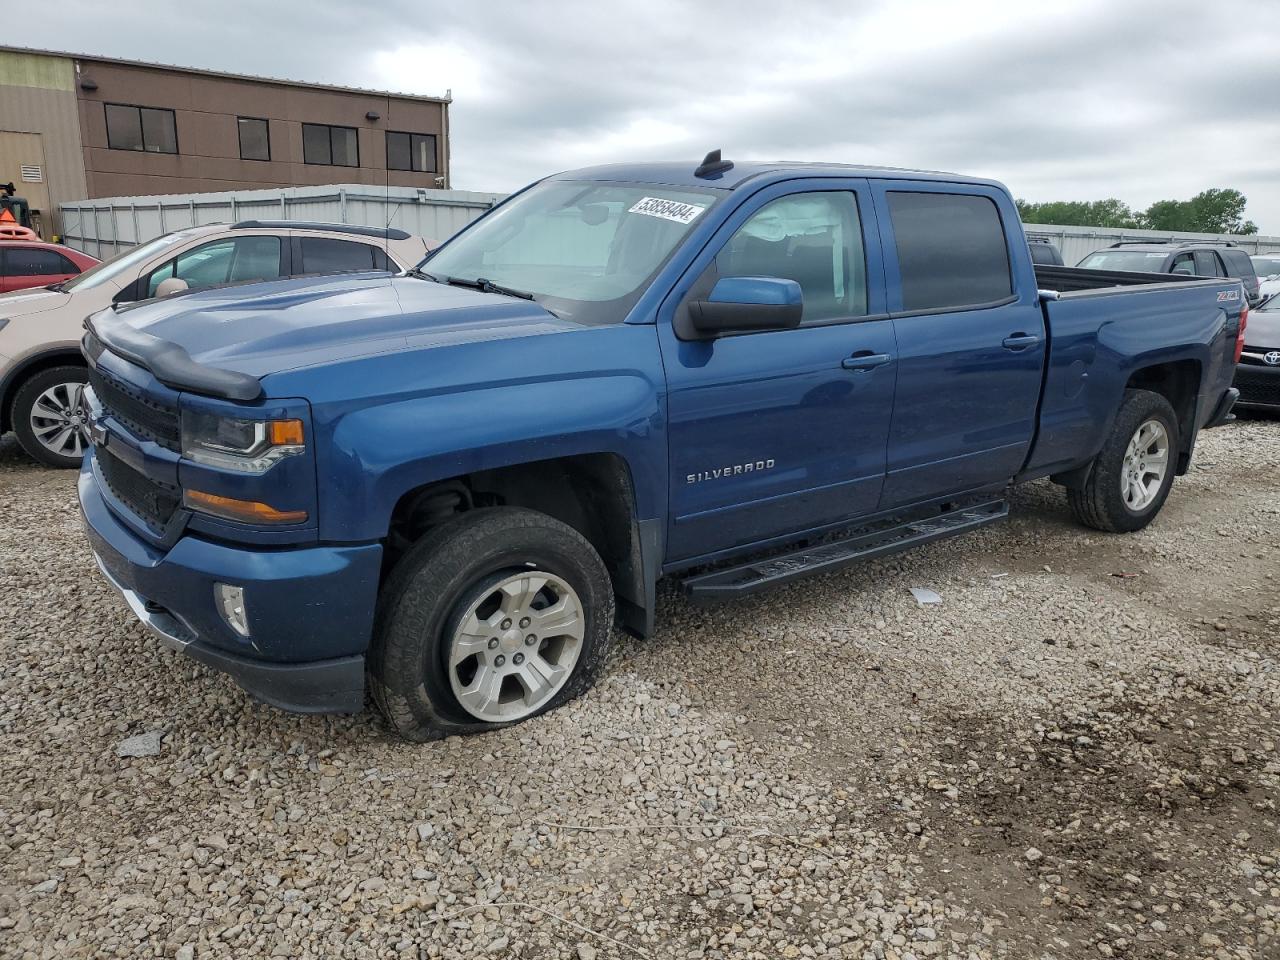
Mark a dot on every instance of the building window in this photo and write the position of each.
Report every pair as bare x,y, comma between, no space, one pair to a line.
255,139
411,151
330,146
148,129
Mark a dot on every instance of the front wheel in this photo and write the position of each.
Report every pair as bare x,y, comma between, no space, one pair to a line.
494,617
1132,474
47,419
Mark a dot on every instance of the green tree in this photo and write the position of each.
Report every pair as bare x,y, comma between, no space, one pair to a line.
1079,213
1210,211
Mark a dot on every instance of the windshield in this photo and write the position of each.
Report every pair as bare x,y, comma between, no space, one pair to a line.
1142,261
1266,266
583,249
110,269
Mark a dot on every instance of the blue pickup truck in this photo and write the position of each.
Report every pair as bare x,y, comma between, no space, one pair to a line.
442,489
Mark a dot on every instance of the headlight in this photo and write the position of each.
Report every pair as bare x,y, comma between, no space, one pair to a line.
246,446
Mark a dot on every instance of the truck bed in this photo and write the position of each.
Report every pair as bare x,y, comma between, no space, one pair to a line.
1103,325
1065,281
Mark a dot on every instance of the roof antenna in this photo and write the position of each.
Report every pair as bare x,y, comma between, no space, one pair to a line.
712,166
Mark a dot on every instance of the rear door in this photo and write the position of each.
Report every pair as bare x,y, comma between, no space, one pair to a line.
970,337
776,432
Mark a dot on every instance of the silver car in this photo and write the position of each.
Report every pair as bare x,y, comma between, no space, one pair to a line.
1258,373
41,370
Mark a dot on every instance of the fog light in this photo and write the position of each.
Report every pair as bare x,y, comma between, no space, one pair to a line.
231,606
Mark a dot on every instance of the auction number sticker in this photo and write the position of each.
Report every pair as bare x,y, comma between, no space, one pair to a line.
675,210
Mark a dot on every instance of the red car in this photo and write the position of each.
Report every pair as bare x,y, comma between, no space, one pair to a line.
34,263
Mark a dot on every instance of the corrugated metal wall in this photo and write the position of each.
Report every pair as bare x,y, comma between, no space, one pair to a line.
1076,243
107,226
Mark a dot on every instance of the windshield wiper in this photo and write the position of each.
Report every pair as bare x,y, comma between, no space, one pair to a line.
488,286
56,287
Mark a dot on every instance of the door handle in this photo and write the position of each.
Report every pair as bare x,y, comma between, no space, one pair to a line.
1020,341
865,360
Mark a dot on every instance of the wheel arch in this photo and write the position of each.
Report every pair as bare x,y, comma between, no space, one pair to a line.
27,367
594,493
1178,381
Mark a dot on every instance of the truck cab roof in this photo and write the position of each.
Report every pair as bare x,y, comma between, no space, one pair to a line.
755,172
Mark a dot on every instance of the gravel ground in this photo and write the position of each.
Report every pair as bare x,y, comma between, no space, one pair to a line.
1074,755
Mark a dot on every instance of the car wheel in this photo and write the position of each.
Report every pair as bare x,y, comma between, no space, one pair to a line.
47,419
493,618
1132,475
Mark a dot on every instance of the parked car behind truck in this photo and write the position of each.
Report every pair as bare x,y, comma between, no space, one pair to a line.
1189,258
41,369
1258,375
439,487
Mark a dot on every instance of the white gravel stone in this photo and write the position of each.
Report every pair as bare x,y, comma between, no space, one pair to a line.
822,771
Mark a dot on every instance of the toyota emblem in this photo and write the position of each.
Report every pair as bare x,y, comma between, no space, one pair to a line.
1272,358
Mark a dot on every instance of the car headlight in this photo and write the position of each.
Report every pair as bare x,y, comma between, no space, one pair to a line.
246,446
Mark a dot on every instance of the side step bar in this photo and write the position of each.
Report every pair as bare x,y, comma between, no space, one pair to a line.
834,554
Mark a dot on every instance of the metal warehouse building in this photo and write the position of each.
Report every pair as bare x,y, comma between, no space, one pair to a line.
75,127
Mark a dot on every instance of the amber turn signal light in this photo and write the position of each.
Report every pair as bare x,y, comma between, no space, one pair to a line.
245,511
285,433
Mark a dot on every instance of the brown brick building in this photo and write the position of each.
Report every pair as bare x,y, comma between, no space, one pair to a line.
75,127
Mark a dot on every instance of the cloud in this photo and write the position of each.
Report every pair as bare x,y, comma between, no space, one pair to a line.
1141,100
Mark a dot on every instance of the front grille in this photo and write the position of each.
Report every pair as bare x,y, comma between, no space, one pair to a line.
1258,384
148,418
152,501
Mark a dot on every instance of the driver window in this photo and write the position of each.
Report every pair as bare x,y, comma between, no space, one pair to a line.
814,239
222,261
1184,265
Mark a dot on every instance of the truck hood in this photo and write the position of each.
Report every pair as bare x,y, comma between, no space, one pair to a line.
1263,331
268,328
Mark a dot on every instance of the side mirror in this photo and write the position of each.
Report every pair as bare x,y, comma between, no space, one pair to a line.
167,288
748,303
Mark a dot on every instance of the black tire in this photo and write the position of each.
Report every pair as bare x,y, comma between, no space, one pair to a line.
433,583
1099,503
24,400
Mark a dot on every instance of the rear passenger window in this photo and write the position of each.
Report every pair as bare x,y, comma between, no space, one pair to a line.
1207,264
30,262
951,250
814,239
326,255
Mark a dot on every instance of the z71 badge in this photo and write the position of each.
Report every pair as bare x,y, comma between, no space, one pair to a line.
1228,295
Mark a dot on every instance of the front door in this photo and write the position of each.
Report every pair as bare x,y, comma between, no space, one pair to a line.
971,340
777,432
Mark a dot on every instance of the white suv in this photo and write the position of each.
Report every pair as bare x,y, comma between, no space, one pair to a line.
41,370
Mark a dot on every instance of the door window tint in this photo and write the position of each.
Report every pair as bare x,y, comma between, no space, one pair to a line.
223,261
1184,265
326,255
31,262
1207,264
1238,265
814,239
951,250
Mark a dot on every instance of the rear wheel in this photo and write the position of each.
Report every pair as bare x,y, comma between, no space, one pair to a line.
494,617
47,419
1130,478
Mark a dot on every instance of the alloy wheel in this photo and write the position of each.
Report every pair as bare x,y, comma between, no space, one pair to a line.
58,422
515,646
1146,462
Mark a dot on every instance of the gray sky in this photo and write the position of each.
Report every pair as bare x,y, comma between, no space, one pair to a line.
1068,100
